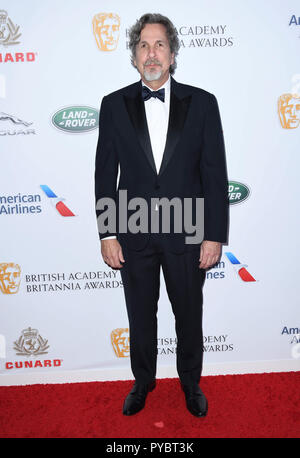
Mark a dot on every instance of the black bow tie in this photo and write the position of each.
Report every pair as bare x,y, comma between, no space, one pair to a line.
147,94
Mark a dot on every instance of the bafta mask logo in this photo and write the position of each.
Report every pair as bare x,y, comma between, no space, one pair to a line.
31,343
10,277
9,32
106,28
120,342
289,110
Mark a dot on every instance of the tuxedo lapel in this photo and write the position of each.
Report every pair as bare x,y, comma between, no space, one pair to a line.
178,111
136,111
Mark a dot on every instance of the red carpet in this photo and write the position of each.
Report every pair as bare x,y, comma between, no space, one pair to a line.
241,406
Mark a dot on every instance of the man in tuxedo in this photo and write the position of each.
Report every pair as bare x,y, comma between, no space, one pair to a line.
165,139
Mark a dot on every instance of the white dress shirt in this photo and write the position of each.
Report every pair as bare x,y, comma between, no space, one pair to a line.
157,115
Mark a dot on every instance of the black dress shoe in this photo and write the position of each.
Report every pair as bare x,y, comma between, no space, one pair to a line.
135,401
196,402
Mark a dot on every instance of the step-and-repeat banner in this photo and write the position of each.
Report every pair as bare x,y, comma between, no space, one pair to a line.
61,306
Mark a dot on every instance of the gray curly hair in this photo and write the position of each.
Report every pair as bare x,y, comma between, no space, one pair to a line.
154,18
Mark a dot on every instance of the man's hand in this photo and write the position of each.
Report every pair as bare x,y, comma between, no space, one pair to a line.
112,253
209,254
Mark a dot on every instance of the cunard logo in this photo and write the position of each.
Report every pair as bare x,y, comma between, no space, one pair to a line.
9,36
9,32
31,343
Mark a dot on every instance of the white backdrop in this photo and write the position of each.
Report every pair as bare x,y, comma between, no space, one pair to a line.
59,302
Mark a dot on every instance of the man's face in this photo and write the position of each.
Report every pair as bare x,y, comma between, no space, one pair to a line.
153,55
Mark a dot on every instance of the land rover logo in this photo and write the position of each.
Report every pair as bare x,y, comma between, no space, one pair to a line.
237,192
76,119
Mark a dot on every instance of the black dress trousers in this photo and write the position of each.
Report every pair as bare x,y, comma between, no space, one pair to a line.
184,281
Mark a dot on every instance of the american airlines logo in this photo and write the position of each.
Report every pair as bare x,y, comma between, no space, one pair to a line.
56,201
239,268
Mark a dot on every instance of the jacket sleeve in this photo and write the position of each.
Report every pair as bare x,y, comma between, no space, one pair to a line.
214,176
106,168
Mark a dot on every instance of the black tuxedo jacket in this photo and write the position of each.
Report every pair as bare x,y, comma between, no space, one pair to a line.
193,163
